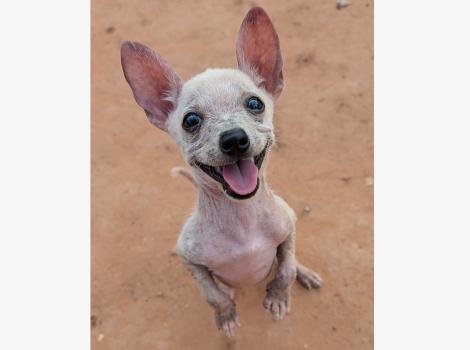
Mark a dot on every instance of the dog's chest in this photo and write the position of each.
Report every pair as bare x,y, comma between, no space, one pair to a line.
243,253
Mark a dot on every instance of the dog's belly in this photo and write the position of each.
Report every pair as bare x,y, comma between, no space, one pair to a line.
243,264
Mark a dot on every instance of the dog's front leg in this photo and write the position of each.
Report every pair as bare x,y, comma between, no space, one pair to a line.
277,299
224,307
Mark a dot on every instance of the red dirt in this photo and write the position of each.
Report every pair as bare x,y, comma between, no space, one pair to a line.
142,297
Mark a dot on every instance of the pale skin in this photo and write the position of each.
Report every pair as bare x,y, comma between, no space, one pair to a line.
232,239
243,262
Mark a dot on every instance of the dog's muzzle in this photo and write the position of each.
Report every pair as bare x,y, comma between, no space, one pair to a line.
239,175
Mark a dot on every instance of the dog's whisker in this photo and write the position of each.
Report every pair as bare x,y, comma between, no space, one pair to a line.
194,148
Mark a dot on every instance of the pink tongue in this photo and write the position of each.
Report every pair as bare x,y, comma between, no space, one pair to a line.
241,176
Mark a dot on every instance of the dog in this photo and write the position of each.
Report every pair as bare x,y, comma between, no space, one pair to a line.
222,120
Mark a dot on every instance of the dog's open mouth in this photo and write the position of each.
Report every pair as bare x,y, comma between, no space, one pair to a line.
240,179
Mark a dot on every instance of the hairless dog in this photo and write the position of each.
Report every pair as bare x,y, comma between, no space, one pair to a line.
222,120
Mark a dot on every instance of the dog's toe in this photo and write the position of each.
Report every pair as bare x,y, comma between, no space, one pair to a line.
277,305
227,320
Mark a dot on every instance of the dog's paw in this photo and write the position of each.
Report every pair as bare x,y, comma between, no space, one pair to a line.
277,302
307,278
226,319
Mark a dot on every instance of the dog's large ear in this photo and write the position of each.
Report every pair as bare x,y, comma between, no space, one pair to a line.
154,84
258,51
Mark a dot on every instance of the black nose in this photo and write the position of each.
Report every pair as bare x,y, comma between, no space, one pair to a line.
234,142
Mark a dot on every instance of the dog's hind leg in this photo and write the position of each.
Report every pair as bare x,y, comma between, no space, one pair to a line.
308,278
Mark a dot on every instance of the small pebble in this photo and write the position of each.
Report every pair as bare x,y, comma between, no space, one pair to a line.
369,181
93,320
100,337
340,4
346,179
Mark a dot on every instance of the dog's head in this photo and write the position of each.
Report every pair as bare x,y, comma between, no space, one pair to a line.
221,118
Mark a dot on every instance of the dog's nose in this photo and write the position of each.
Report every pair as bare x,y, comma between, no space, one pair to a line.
234,142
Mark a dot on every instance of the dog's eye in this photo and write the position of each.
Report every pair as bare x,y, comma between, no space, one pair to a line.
192,122
255,105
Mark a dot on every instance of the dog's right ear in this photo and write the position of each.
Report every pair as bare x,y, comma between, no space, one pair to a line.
155,85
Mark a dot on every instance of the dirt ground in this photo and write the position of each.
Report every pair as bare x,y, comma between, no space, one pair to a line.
142,297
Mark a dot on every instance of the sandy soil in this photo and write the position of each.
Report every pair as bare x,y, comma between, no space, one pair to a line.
142,297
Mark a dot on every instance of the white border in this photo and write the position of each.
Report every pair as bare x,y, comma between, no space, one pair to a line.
422,159
45,175
421,175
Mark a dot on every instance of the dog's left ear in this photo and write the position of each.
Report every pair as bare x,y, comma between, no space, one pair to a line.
258,51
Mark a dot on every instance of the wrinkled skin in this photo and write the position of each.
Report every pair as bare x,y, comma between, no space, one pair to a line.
226,242
238,247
